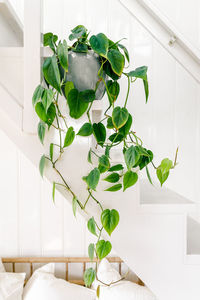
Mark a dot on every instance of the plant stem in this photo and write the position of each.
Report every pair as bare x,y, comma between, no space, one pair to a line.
96,200
127,91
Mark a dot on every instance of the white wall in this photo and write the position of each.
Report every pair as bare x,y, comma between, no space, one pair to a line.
30,224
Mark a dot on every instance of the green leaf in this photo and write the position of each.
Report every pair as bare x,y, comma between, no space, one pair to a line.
89,277
140,72
114,188
110,123
148,175
103,248
91,251
108,70
89,158
85,130
46,118
77,32
131,157
53,191
162,177
125,52
76,106
68,87
42,165
166,165
124,130
87,96
51,151
81,48
104,161
146,88
116,137
116,60
62,51
74,205
114,89
102,169
110,220
41,131
92,179
99,44
117,167
130,178
92,226
69,137
37,95
99,133
146,159
114,177
47,99
51,72
119,116
50,40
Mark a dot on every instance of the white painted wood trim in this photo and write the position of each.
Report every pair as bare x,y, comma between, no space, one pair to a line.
12,52
11,107
178,49
8,11
32,60
165,22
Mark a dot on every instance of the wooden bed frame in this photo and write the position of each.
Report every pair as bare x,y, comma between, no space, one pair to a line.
65,260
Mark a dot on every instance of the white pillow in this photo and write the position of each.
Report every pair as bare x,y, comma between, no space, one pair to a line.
106,274
125,290
11,285
2,269
45,286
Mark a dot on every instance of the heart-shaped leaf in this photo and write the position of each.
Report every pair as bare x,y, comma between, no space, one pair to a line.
92,179
108,70
114,177
41,131
130,178
69,138
114,188
116,137
78,32
162,177
125,51
62,51
113,88
117,167
76,106
46,118
47,99
91,251
166,165
51,72
89,277
131,157
110,123
92,226
140,72
85,130
104,161
99,44
42,165
68,87
37,95
87,96
119,116
124,130
110,220
146,159
103,248
99,133
116,59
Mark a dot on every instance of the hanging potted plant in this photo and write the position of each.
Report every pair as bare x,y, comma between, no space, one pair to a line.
82,72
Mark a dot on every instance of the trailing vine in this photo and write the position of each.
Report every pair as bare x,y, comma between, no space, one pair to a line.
47,103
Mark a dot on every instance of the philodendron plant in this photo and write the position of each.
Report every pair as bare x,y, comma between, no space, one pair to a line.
47,102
